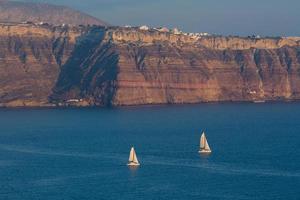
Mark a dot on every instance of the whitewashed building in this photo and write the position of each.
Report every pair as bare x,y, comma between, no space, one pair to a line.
144,28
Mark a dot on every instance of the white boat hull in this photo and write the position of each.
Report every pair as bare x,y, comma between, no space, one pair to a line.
133,164
205,151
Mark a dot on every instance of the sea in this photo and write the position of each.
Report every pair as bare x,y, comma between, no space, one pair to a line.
81,153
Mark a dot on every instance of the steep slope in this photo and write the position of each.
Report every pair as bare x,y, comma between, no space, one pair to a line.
227,69
90,73
45,66
30,61
13,11
163,68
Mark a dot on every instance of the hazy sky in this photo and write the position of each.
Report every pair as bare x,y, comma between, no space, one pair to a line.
236,17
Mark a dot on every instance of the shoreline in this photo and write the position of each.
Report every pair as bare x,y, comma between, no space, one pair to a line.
267,102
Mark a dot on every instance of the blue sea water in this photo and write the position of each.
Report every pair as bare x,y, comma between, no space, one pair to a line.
70,154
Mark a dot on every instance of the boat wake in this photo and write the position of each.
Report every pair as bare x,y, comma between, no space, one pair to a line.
220,168
39,151
62,180
157,160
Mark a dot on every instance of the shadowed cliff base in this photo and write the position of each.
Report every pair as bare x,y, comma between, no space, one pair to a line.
115,66
90,73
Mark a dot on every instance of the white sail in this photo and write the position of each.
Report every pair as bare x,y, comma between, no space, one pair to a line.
204,147
202,141
131,155
133,160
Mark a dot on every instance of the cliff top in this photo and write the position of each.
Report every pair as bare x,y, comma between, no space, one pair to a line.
151,36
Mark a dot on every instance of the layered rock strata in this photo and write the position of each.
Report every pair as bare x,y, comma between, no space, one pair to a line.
87,66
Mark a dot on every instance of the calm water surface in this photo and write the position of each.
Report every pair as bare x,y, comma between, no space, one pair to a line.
70,154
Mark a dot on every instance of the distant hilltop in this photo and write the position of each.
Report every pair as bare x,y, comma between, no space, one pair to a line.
14,11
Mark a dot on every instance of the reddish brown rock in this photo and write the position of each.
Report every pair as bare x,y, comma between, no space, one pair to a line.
30,61
42,66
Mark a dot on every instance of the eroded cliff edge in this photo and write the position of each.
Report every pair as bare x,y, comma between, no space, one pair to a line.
86,66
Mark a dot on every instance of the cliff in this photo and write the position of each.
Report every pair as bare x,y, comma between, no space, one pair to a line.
48,66
30,61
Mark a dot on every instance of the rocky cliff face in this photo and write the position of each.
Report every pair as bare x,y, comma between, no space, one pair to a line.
90,73
30,61
125,66
165,68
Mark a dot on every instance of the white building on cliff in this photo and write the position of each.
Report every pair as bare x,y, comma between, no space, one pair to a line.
144,28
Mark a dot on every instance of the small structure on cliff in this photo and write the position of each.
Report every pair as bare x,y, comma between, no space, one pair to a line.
27,22
176,31
144,28
163,30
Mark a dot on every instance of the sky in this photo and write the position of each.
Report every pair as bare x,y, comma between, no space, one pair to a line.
226,17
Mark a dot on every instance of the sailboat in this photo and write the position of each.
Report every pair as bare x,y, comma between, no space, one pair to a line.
133,161
204,147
